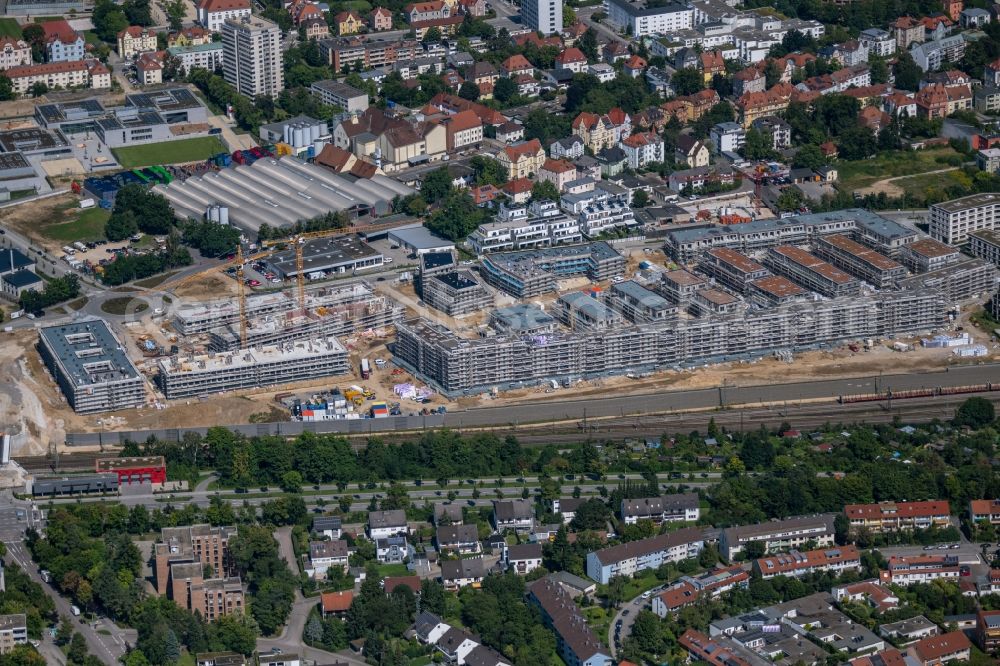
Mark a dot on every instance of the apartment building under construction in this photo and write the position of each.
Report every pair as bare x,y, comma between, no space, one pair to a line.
459,365
186,376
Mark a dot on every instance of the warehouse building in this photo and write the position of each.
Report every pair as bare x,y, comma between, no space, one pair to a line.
811,272
301,360
461,366
858,260
456,293
90,366
322,256
529,273
280,192
340,94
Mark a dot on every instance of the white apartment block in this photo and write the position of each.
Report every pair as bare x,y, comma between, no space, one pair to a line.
252,56
952,221
545,16
600,217
878,42
206,56
14,52
632,557
539,225
213,13
648,21
61,74
985,244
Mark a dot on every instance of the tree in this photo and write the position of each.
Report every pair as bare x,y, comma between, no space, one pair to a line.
313,633
975,412
291,482
175,13
640,199
771,73
879,69
907,72
436,185
569,16
488,171
504,90
755,550
687,81
469,90
171,647
790,199
616,590
544,190
109,19
856,143
588,44
38,89
809,156
757,145
6,88
120,226
77,653
432,35
647,633
237,632
591,515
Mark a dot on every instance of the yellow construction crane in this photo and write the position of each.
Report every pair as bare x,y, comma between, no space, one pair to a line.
269,247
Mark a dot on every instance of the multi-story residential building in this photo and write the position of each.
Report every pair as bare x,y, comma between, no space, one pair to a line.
811,272
516,515
643,148
695,179
691,589
878,42
601,215
522,559
952,221
776,128
13,631
895,516
600,131
920,569
849,255
575,642
572,59
368,53
348,23
928,255
984,510
380,19
456,574
638,304
634,556
795,563
55,75
939,101
206,56
541,224
326,555
726,138
213,13
149,69
907,30
929,56
134,40
681,507
251,56
181,559
558,172
544,16
732,269
985,244
754,105
328,526
986,99
691,152
522,160
749,80
779,535
62,42
14,52
973,17
849,54
384,524
461,539
192,36
869,592
936,650
988,631
643,20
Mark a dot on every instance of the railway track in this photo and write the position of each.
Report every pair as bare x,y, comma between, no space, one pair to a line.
807,415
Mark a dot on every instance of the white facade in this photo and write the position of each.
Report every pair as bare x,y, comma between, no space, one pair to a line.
951,221
213,14
728,137
205,56
14,53
600,217
659,20
635,556
879,42
252,56
545,16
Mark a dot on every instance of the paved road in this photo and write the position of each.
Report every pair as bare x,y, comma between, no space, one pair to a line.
105,648
584,14
632,608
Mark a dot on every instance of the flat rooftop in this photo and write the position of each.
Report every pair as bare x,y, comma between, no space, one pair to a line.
9,161
83,109
174,99
522,317
419,237
88,352
323,253
682,278
813,263
248,358
971,201
339,88
458,279
779,286
647,298
930,248
865,254
113,464
987,235
737,260
541,260
592,308
717,296
32,138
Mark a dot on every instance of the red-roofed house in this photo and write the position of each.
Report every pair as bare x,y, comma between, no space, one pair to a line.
348,23
392,582
523,159
920,569
303,11
72,74
134,40
515,65
557,172
939,101
712,63
484,194
63,43
191,36
895,516
519,190
572,59
934,650
749,80
635,66
643,148
453,104
380,19
874,118
464,129
149,69
908,31
689,590
985,509
336,603
794,563
14,52
213,13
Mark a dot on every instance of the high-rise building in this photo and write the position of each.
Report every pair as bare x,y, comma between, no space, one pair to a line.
251,56
545,16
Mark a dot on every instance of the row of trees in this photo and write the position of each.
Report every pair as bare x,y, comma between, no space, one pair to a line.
56,290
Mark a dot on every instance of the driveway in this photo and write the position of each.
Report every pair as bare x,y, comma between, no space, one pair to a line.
632,607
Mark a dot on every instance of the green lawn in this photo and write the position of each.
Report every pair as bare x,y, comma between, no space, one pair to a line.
92,38
88,226
10,28
918,185
169,152
856,174
393,570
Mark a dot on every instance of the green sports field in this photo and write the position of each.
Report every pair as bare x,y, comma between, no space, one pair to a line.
169,152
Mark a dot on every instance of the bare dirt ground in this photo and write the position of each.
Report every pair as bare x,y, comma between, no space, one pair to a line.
888,185
208,288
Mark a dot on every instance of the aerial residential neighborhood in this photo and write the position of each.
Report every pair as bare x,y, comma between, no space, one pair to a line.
499,333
